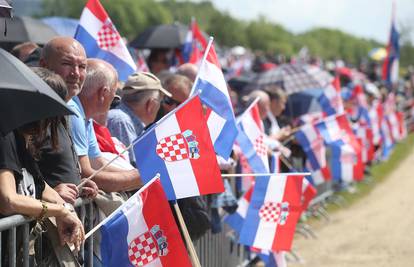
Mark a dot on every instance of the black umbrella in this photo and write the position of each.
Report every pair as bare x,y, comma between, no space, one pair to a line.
161,36
25,29
24,97
5,9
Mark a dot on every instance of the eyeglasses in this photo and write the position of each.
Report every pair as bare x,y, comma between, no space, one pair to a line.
169,101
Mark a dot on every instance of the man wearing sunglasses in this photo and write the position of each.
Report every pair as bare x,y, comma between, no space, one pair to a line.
180,87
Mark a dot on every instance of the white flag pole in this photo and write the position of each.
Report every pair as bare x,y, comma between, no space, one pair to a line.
93,230
263,174
210,42
188,241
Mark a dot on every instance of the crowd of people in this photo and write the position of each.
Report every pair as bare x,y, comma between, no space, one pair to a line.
45,166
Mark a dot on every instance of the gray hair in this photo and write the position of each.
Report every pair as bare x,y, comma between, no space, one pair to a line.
98,74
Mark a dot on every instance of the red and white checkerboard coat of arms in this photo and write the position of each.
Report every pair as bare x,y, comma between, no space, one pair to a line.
108,36
148,247
178,147
273,212
260,146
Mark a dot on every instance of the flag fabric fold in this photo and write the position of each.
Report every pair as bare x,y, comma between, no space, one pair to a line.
179,148
100,38
251,139
214,94
142,232
273,212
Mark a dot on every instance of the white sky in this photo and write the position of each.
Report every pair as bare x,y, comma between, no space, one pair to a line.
363,18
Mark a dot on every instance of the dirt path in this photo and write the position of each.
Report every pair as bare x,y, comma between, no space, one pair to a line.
376,231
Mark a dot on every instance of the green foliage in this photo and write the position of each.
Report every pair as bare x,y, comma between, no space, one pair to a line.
133,16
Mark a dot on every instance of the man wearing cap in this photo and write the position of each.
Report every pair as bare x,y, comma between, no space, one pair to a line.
141,97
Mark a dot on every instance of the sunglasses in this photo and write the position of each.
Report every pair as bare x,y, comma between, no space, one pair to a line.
169,101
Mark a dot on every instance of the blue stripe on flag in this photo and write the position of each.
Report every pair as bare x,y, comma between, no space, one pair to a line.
249,152
251,223
219,103
93,50
235,221
326,105
149,163
304,142
336,163
114,246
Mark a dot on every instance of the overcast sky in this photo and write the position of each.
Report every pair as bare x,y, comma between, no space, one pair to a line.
364,18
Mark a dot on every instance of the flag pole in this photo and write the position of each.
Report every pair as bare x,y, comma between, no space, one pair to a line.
190,245
210,41
93,230
239,118
228,175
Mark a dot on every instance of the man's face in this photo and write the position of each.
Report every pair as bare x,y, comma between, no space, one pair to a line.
179,95
70,63
278,106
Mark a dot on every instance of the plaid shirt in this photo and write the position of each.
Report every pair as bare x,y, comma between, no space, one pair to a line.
125,125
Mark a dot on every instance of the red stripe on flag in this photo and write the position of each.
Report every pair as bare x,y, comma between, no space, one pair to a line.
157,211
97,9
212,57
293,193
205,168
256,117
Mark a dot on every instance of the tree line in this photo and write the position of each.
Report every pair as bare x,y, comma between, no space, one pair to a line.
132,17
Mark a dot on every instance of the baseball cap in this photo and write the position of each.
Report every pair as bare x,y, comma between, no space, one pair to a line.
141,81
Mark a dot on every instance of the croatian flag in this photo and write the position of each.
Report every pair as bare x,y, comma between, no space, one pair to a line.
274,211
179,148
195,44
391,62
336,130
375,114
236,220
313,146
251,139
99,37
214,94
331,100
346,162
386,137
308,193
142,232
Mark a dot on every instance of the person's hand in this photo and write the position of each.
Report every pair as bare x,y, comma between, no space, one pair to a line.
70,229
89,189
283,133
69,192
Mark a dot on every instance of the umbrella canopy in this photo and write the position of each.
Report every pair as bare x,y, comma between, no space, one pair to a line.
161,36
292,78
5,9
303,102
62,25
27,29
24,97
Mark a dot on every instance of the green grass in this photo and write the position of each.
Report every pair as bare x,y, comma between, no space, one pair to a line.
379,173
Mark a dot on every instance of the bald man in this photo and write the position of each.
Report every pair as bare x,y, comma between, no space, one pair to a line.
66,57
188,70
264,102
95,99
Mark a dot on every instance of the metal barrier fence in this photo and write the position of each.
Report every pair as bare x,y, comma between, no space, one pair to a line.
213,250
